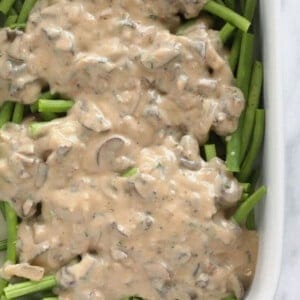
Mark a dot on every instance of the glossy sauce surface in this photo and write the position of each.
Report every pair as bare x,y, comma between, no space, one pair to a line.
145,98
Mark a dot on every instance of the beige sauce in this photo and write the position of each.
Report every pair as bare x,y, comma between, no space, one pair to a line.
144,98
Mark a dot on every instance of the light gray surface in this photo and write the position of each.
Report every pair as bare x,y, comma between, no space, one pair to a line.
289,285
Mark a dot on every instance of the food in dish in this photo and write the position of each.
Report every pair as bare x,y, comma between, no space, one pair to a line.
114,196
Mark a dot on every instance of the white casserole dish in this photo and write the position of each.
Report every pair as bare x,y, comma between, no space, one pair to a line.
270,213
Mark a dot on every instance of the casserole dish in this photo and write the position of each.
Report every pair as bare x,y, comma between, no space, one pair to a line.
270,212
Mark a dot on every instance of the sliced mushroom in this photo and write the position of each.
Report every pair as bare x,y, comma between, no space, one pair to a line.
159,57
68,276
146,220
180,254
52,32
91,117
65,42
28,248
94,63
24,270
108,152
41,175
15,65
120,229
118,254
62,151
202,280
28,208
190,164
231,192
144,186
189,147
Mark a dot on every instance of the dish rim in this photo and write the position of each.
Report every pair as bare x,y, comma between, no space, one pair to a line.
270,213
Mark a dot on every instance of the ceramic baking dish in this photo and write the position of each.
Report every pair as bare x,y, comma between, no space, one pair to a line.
270,213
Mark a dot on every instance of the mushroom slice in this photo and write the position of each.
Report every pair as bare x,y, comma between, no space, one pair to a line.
190,164
29,208
108,151
23,270
144,186
68,276
41,175
91,117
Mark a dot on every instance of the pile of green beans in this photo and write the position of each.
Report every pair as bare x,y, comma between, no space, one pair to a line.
240,150
244,145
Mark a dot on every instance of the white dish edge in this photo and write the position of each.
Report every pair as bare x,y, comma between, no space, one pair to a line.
270,213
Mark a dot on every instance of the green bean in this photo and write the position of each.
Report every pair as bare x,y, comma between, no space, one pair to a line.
25,11
220,2
230,3
210,152
249,9
246,187
233,148
2,209
18,6
3,284
226,32
5,116
21,289
10,20
36,128
54,106
45,95
229,298
130,173
245,196
243,211
10,216
257,140
3,245
235,51
252,105
11,17
228,15
6,112
245,63
6,5
250,223
12,12
254,180
182,28
33,107
236,46
18,113
12,225
17,26
233,151
48,116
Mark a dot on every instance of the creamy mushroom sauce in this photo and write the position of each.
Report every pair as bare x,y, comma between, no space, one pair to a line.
145,98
